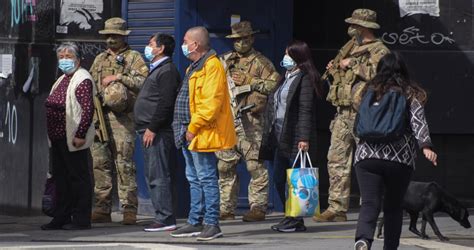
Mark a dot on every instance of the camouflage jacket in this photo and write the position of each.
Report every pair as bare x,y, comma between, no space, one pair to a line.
346,84
127,64
263,76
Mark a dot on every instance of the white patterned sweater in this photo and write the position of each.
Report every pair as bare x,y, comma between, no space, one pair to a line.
404,150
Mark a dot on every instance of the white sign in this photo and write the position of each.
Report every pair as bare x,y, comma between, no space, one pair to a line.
6,63
410,7
81,12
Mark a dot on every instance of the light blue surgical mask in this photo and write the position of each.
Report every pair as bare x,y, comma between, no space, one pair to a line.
149,53
185,50
288,63
67,66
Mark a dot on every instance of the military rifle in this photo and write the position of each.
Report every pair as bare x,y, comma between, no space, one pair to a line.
335,62
100,125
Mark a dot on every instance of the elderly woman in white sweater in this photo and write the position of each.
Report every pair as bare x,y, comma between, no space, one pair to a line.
71,132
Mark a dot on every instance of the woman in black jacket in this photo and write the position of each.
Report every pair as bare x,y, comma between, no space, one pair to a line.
290,120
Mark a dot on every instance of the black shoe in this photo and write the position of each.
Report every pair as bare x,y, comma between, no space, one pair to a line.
295,225
187,230
72,226
283,222
52,226
210,232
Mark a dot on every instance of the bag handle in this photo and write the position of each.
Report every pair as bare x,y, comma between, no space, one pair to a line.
300,157
309,159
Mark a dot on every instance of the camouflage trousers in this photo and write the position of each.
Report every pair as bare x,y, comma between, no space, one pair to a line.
117,152
247,149
340,156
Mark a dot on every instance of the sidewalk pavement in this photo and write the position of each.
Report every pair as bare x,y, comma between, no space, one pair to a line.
24,233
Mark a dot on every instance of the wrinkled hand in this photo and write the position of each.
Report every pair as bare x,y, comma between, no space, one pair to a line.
108,79
78,142
345,63
303,145
189,136
330,64
430,155
148,138
240,78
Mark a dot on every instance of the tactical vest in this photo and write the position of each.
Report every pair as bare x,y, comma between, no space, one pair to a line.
341,92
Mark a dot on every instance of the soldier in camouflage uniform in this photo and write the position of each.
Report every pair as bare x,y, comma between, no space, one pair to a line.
354,65
251,77
119,73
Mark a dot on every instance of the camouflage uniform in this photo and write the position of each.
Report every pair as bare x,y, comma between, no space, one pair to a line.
344,95
262,77
131,71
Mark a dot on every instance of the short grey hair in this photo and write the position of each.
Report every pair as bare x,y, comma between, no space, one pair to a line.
201,36
71,47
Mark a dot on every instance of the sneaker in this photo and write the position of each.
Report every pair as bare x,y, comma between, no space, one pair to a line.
361,245
210,232
283,222
329,216
294,225
158,227
187,230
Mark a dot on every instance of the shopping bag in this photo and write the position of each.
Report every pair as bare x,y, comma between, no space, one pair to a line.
48,202
303,188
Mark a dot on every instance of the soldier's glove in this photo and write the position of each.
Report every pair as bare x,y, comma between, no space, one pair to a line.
241,78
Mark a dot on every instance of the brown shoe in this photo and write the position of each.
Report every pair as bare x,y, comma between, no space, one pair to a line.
254,214
98,217
227,216
328,216
129,218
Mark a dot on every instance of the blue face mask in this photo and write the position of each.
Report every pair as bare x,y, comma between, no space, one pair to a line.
149,53
66,65
288,63
185,50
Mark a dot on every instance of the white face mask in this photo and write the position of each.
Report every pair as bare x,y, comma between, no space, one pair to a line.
288,63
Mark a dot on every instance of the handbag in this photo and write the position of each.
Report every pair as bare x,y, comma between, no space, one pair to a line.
49,200
303,188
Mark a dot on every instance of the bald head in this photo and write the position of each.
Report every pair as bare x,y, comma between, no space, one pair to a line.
200,35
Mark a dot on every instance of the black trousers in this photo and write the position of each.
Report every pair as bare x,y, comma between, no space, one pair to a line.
377,179
73,178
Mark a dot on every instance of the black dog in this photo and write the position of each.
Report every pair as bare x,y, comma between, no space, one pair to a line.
428,198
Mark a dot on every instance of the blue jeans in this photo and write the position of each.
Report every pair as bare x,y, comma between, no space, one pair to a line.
159,167
201,172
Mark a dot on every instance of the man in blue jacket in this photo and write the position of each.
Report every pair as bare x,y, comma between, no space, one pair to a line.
153,111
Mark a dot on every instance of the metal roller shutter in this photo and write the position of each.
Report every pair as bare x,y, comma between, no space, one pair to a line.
146,17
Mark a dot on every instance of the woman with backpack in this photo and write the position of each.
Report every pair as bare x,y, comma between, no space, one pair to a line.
384,165
290,121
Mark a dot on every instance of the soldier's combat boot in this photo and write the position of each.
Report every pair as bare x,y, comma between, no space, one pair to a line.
227,216
100,217
329,216
255,214
129,218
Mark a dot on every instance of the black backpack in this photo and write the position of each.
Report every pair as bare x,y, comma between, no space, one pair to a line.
382,121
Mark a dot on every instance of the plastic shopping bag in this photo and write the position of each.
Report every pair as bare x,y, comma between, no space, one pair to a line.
303,188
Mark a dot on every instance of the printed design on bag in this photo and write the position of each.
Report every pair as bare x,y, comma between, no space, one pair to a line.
305,184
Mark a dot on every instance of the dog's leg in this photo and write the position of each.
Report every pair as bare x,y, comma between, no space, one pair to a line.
430,219
413,220
380,228
423,228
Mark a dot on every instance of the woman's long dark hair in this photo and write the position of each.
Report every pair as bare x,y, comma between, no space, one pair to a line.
301,54
392,73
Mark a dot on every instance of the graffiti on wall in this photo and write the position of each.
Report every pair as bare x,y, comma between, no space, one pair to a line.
10,130
83,13
413,35
22,11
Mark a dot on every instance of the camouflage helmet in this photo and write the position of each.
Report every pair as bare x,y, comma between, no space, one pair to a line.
241,29
365,18
116,97
115,25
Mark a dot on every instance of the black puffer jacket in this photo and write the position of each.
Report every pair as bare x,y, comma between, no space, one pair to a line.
299,123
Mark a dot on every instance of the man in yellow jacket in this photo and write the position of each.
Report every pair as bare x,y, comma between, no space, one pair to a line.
202,124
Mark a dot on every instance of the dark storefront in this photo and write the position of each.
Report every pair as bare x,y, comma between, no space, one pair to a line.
437,49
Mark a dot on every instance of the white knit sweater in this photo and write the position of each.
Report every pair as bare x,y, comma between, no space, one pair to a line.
74,110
